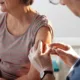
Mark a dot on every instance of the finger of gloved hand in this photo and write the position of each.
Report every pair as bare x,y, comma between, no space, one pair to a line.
53,52
46,48
48,51
35,45
31,52
40,48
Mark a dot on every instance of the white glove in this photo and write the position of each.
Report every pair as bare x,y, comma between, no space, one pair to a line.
41,61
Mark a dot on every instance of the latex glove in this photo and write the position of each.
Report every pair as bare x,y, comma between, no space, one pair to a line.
41,61
65,52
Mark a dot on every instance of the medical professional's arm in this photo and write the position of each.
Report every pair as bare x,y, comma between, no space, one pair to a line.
74,73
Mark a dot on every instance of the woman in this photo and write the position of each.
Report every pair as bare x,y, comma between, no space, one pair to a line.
20,28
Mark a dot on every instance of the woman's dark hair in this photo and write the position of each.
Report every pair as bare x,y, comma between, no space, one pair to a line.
27,2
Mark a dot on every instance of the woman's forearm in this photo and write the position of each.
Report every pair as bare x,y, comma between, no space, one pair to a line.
32,75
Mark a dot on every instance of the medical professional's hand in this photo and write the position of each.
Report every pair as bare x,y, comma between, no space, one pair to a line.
65,52
41,61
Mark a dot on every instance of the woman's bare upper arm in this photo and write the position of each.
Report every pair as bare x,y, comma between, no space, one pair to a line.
44,34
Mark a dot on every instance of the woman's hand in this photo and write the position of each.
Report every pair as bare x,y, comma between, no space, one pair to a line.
65,52
41,61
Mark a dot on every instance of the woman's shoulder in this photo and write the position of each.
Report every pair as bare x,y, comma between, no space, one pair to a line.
42,17
43,20
42,23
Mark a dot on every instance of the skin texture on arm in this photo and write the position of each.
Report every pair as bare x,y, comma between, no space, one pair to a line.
44,35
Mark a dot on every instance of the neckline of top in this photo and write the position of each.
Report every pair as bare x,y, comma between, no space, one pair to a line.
33,20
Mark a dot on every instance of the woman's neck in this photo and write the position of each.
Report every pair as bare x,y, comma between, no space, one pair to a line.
19,20
21,14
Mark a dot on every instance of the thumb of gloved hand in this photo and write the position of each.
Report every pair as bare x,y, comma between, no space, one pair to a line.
34,55
40,48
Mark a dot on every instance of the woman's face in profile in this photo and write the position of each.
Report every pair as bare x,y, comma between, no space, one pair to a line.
73,5
8,5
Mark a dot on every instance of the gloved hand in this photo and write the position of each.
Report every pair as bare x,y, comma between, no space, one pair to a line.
41,61
65,52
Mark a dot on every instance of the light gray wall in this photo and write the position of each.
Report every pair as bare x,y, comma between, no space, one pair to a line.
65,24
